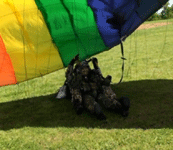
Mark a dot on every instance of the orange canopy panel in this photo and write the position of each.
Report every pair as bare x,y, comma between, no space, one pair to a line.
7,75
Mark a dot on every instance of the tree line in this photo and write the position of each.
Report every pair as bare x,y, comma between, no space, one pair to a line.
167,13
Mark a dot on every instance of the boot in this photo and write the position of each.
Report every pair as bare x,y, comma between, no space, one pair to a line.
101,116
79,110
125,102
78,107
98,111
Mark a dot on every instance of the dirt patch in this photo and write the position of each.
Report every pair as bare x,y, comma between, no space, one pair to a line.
152,25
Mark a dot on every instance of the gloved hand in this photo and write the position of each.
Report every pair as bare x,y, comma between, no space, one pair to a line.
107,80
76,58
95,62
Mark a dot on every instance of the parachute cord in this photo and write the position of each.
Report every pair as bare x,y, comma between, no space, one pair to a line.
36,55
129,66
122,52
136,54
146,68
156,67
24,54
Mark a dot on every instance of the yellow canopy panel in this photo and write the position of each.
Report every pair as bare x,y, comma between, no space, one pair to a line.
27,39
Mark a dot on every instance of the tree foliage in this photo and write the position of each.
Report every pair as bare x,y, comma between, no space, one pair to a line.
166,13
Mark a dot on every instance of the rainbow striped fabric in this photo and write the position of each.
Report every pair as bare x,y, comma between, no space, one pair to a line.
41,36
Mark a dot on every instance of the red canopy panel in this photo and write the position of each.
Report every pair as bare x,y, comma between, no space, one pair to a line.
7,75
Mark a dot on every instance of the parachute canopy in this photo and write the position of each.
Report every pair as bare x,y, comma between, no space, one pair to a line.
41,36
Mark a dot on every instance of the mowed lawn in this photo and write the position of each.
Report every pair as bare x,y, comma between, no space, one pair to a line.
31,118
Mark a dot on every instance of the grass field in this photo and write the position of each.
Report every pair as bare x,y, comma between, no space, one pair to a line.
30,118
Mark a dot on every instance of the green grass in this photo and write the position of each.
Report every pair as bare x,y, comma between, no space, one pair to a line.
30,117
158,21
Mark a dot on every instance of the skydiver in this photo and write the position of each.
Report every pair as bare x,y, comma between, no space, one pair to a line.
88,87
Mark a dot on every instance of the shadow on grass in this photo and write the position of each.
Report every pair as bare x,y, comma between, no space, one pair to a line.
151,107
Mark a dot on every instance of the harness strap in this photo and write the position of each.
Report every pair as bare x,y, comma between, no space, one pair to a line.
122,52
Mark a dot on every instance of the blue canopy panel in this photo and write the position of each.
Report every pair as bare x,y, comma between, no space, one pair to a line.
117,19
